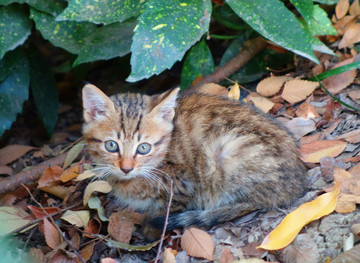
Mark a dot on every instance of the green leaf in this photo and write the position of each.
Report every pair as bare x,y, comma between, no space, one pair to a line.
232,50
14,89
87,40
319,24
44,90
15,27
335,71
198,61
305,8
326,2
12,218
95,203
52,7
274,21
226,16
102,12
166,30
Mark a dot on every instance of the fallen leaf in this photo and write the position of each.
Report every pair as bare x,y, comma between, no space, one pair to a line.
347,203
58,190
297,90
272,85
291,225
42,212
93,227
351,255
214,89
169,256
73,153
36,255
337,83
355,170
343,24
109,260
52,235
77,218
342,8
340,175
75,239
314,151
85,175
6,170
354,94
226,256
12,218
87,251
354,9
121,226
70,173
99,186
310,138
50,176
352,137
260,102
10,153
234,93
307,111
300,126
63,256
95,203
303,249
197,243
351,36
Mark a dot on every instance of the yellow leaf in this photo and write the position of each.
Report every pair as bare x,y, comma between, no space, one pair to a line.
296,90
70,173
198,243
270,86
100,186
58,190
73,153
260,102
291,225
85,175
314,151
169,256
77,218
234,93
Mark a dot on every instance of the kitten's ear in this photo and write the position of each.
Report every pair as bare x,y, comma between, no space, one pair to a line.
165,109
96,104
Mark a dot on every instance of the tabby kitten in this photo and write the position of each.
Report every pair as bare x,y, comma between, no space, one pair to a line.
225,158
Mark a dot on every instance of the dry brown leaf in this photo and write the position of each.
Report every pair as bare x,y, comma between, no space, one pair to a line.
352,137
351,36
354,94
337,83
297,90
77,218
341,175
63,256
198,243
347,203
6,170
58,190
342,8
10,153
272,85
300,126
99,186
37,255
355,8
93,227
355,170
50,176
260,102
310,138
302,250
314,151
42,212
70,173
226,256
307,111
52,235
87,251
169,256
85,175
234,93
349,256
121,226
343,24
214,89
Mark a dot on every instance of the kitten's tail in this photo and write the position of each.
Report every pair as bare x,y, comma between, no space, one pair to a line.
207,218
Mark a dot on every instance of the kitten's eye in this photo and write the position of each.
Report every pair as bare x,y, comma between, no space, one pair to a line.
144,148
111,146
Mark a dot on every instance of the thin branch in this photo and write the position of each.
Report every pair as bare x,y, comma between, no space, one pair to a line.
166,221
250,49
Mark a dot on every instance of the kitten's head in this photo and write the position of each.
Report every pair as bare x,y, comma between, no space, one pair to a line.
127,134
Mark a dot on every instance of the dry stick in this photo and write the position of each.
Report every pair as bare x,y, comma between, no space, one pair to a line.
166,222
250,49
56,226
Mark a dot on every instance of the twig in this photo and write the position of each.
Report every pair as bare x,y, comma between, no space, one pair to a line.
166,222
56,226
250,49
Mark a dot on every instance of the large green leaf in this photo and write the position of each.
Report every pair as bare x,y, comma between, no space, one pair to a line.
87,40
102,12
15,27
53,7
44,91
326,2
319,24
274,21
198,61
166,30
14,89
305,8
232,50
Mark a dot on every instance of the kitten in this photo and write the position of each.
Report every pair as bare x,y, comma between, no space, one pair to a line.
225,158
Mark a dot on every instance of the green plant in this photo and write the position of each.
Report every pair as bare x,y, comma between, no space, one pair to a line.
156,32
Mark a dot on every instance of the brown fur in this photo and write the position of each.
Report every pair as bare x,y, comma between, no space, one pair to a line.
225,158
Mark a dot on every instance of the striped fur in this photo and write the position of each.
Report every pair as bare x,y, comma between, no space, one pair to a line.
225,158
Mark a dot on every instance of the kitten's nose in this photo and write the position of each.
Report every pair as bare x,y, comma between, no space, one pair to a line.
126,170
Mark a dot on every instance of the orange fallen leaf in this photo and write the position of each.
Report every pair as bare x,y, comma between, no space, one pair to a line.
297,90
41,212
347,203
272,85
234,93
314,151
352,137
50,176
10,153
70,173
260,102
93,227
307,111
87,251
198,243
342,8
291,225
99,186
169,256
52,235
